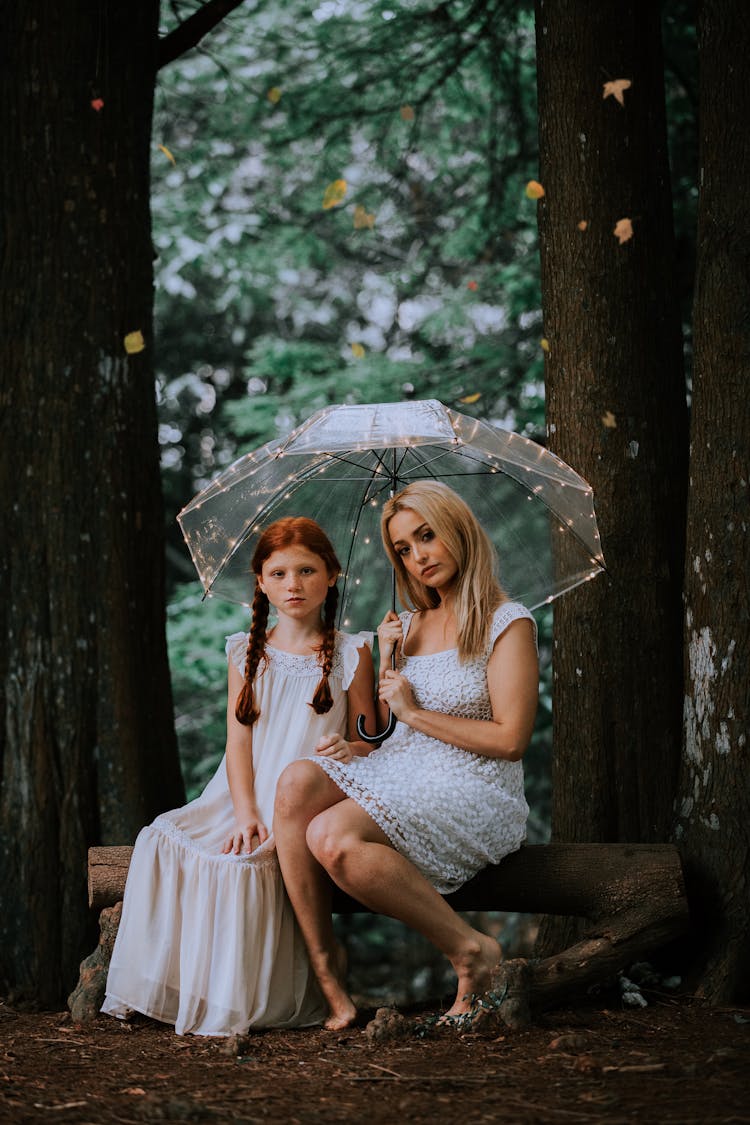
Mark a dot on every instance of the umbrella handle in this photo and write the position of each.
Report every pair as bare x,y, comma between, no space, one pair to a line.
372,738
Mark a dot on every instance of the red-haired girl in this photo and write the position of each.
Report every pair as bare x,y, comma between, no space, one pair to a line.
208,940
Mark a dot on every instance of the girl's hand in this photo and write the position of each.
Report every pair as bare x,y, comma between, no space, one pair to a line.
336,747
390,637
395,690
246,837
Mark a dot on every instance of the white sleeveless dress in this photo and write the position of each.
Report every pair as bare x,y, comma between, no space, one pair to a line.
450,811
208,942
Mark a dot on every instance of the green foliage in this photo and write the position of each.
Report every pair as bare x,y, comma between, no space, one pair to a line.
196,631
428,112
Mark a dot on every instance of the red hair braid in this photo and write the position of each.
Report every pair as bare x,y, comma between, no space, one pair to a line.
245,710
322,701
290,531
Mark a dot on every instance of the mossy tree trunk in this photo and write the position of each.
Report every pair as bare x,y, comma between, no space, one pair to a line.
713,809
616,411
87,745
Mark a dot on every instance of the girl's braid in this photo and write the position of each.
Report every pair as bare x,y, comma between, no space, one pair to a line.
245,709
322,701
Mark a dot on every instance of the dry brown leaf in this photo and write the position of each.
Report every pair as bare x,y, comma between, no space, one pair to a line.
609,420
616,89
583,224
623,231
534,190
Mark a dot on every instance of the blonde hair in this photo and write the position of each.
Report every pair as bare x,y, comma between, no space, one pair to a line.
477,589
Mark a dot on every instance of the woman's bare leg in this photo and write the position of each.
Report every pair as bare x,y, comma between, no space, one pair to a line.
359,858
303,791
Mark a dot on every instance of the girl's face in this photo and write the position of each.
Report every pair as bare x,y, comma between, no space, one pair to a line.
424,555
295,581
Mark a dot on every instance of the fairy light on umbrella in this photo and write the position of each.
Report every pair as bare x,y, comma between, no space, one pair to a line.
339,467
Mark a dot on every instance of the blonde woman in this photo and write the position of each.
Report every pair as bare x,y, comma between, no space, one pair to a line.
443,797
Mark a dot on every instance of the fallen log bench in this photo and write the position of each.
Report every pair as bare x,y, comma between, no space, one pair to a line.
631,895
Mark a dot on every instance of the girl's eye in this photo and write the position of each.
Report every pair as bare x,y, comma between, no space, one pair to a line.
307,570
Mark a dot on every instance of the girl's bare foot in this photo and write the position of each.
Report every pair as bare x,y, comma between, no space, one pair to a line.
474,969
330,969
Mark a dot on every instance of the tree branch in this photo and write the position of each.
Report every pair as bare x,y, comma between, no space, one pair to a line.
188,34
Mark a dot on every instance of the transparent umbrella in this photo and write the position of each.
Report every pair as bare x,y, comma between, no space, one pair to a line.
339,467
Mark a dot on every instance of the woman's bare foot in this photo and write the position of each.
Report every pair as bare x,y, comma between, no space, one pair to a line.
330,969
474,969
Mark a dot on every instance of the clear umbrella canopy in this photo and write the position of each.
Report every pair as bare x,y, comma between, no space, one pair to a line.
339,467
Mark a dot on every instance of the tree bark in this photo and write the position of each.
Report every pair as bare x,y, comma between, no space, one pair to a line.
713,807
633,894
616,411
87,746
591,881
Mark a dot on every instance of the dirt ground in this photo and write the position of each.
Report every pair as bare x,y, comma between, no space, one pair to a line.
676,1060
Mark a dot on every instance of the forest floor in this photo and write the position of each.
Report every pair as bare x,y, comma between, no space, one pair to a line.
677,1060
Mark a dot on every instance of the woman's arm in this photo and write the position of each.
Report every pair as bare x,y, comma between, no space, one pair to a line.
513,681
359,702
241,776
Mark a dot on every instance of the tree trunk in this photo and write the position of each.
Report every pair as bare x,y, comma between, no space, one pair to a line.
616,411
87,737
713,809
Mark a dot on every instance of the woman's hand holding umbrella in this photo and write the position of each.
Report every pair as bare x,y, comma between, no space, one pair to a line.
396,691
390,639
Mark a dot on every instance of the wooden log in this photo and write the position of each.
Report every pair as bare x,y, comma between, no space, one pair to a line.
585,880
632,894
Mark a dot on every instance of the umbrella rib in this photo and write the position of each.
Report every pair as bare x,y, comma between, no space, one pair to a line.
353,539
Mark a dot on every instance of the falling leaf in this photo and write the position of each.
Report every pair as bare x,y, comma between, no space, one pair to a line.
363,218
407,113
544,344
333,194
469,399
167,153
534,190
609,421
274,95
473,285
623,231
134,342
617,89
97,104
358,351
583,225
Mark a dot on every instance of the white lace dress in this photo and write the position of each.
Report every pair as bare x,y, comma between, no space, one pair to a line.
449,811
209,942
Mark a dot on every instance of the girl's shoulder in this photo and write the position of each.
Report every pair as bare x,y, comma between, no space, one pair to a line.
505,615
346,658
236,649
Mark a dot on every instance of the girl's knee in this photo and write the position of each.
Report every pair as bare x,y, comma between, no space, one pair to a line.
296,784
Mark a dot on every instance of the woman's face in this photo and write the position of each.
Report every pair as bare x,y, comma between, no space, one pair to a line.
424,555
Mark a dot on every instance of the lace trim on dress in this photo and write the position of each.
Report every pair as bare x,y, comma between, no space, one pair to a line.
265,854
505,615
501,619
345,657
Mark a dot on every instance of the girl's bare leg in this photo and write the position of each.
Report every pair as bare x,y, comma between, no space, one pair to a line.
303,791
358,856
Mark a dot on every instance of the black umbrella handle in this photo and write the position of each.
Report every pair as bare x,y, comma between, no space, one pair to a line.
373,738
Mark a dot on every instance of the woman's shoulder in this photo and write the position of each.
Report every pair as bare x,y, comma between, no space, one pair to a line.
505,615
